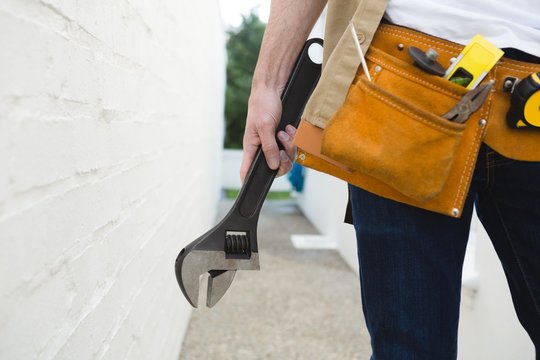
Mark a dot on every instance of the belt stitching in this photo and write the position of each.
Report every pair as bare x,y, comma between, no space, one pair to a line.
460,194
425,40
410,76
518,67
422,39
476,144
417,117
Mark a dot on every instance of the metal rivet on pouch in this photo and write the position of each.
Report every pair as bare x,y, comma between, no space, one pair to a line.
509,83
431,54
378,68
482,122
455,212
302,157
453,60
400,47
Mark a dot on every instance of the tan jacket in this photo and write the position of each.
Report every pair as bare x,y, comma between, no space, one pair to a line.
340,60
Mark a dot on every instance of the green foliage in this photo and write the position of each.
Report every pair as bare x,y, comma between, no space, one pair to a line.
272,195
243,46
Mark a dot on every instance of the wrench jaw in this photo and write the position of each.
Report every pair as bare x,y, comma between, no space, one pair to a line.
187,279
190,265
218,283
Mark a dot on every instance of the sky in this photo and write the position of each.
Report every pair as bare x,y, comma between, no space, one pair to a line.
232,10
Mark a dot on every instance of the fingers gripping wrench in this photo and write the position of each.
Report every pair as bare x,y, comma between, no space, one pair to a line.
232,244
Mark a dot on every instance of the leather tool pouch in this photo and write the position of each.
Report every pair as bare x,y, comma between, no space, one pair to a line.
389,138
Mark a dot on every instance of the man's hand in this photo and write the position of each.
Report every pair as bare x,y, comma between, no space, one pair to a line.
287,30
264,113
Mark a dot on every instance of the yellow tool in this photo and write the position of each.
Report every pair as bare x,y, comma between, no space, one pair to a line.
474,62
524,110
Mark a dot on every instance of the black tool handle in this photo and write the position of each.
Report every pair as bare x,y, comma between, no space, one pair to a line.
525,89
300,84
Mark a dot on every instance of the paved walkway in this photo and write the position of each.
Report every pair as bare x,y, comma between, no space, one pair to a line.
303,304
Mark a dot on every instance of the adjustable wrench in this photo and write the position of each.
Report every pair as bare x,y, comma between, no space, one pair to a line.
232,244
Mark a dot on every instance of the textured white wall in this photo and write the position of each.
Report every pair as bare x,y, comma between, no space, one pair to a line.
323,201
110,129
230,173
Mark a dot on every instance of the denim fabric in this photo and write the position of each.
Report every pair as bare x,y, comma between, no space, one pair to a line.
411,259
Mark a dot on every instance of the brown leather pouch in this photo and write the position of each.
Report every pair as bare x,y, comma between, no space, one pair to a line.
389,137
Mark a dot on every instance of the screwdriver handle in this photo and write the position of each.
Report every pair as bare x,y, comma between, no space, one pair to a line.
301,82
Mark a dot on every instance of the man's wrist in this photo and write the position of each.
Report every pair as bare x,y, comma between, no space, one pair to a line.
263,88
268,83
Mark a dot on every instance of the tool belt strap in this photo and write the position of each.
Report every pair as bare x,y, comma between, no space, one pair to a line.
340,67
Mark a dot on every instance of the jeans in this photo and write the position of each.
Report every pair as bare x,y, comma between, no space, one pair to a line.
411,259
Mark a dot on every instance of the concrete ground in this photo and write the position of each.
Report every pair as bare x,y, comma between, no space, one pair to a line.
303,304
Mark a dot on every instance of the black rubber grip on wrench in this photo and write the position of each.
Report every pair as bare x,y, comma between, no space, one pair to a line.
243,216
260,177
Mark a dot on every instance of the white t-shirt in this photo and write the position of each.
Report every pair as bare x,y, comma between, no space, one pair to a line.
505,23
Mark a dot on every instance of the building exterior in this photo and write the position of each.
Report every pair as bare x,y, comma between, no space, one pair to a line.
110,134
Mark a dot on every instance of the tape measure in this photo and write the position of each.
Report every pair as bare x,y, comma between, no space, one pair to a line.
524,112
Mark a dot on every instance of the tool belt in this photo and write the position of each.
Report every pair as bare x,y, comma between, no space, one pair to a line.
389,138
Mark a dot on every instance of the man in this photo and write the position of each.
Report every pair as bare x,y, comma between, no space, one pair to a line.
411,259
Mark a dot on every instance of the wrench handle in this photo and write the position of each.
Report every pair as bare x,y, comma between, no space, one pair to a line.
301,82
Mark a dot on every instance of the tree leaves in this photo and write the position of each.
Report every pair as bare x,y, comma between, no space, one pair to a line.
243,46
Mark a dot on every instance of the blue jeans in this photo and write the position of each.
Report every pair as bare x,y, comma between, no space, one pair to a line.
411,259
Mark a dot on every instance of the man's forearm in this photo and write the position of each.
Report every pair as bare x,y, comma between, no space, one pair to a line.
288,27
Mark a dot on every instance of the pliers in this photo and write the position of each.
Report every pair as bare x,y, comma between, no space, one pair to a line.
469,103
232,244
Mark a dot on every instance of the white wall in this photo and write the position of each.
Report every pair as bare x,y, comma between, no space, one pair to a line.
323,201
489,328
110,129
230,172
